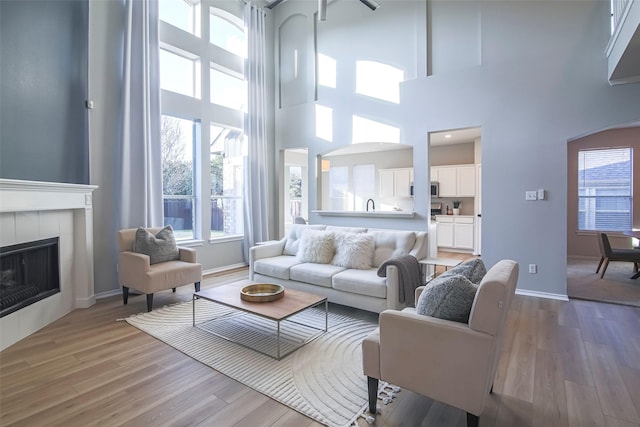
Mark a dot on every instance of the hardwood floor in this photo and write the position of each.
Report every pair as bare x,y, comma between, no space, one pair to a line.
573,363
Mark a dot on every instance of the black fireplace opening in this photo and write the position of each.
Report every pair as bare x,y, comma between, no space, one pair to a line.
29,272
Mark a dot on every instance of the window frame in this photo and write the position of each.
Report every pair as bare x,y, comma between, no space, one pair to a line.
199,47
595,198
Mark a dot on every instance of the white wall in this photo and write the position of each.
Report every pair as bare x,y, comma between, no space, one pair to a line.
542,81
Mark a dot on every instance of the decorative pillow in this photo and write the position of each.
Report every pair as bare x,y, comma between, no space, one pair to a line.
448,297
473,269
354,250
316,246
294,236
160,248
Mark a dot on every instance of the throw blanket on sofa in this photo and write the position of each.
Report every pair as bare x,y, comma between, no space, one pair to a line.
409,277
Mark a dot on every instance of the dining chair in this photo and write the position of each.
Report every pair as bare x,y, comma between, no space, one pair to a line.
615,254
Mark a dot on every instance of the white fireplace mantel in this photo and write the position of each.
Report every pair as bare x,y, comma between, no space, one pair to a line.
32,210
19,196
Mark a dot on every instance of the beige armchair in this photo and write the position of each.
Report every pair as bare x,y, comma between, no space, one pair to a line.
448,361
135,270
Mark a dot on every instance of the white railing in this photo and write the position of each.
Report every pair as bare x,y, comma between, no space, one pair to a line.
618,8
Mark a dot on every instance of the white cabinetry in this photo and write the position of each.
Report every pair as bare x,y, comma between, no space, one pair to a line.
455,180
466,181
396,182
456,232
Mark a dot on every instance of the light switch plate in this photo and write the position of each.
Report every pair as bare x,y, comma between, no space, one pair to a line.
541,194
530,195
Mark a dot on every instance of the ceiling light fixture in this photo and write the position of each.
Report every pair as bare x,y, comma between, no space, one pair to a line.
448,136
322,10
370,4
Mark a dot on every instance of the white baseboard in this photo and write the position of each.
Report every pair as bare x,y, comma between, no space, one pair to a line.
223,269
107,294
539,294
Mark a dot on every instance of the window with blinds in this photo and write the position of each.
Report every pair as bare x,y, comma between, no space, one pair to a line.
605,189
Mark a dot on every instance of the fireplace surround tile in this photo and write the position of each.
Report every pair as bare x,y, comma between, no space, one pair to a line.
7,228
27,226
30,211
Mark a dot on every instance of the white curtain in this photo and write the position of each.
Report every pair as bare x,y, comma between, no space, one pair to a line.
256,196
141,155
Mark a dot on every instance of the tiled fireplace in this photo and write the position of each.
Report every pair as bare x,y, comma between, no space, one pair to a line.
33,211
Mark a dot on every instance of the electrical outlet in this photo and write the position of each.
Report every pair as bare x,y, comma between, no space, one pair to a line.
530,195
533,268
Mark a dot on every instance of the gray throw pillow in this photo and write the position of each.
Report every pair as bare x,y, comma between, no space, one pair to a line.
160,247
473,269
447,297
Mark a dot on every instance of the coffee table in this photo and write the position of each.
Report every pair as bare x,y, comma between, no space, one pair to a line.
283,309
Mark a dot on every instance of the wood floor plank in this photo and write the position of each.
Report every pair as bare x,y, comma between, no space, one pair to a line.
612,391
631,378
549,398
583,406
235,411
514,412
296,419
576,363
518,381
89,369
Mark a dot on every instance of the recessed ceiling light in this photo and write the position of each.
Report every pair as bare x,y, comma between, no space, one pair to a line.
448,136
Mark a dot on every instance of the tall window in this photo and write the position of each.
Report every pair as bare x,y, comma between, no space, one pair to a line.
203,98
178,142
227,154
605,189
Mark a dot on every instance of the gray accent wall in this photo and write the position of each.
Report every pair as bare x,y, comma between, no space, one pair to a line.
540,81
43,69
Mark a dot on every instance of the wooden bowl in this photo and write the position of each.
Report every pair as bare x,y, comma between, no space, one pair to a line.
262,292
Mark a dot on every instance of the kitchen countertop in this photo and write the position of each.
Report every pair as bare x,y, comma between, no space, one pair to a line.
370,214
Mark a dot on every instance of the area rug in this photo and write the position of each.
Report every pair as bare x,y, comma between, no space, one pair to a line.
616,287
322,380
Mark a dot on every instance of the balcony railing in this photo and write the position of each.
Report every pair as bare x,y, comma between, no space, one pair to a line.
618,8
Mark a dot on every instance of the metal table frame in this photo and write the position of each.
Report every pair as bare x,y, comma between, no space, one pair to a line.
278,355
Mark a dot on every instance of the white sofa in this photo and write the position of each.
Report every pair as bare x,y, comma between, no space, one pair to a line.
277,262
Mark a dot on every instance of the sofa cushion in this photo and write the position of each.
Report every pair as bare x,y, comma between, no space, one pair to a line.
160,247
473,269
315,274
277,266
362,282
294,235
390,244
448,297
354,250
316,246
340,229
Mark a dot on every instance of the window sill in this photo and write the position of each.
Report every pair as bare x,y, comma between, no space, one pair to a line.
225,239
190,243
596,232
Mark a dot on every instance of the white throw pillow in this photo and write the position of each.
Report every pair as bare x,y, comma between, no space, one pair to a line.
294,236
316,246
354,250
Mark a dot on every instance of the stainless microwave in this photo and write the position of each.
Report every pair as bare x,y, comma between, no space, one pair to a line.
435,190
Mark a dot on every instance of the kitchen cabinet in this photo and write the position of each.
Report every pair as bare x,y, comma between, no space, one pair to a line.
455,231
396,182
466,181
455,180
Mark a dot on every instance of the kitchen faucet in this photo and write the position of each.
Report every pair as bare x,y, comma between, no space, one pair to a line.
373,204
